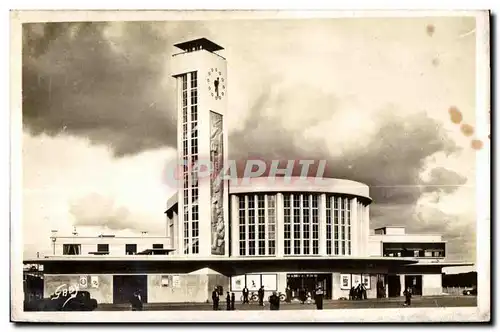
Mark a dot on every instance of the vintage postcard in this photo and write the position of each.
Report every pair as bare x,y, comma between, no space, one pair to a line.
249,166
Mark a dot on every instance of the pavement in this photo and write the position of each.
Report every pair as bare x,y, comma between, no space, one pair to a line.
418,302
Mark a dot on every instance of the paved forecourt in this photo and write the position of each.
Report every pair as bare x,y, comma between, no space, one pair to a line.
424,302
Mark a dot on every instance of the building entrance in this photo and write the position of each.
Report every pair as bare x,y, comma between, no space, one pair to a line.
415,283
309,282
124,287
394,285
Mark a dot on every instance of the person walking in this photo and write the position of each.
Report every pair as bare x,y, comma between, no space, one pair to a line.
319,298
363,292
233,299
407,294
274,301
261,296
302,295
136,301
215,299
288,293
228,301
245,295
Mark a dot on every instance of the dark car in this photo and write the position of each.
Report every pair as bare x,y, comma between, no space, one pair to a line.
81,301
470,291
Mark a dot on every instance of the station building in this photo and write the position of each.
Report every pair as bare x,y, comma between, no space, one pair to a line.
264,231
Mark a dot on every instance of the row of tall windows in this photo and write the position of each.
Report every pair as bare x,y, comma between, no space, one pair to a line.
338,225
257,225
301,223
190,157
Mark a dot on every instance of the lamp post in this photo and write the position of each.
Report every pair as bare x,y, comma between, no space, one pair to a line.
54,238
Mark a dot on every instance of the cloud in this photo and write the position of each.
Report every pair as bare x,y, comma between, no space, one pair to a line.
445,180
373,114
98,210
102,81
390,158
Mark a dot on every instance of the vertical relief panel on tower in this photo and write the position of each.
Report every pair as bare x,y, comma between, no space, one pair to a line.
217,184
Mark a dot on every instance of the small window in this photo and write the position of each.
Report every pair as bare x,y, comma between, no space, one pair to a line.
130,249
71,249
416,253
103,248
157,246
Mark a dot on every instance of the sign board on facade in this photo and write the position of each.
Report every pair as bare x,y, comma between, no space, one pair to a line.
164,281
253,282
83,282
94,281
345,281
366,280
356,280
176,281
237,283
269,281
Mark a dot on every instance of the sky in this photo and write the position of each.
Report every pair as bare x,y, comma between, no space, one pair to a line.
371,96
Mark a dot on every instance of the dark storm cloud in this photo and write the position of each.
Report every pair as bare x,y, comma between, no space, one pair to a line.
390,163
110,90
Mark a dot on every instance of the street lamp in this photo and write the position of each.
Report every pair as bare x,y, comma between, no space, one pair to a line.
54,238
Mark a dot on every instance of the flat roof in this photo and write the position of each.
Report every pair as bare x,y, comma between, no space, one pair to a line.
384,227
166,258
443,264
203,42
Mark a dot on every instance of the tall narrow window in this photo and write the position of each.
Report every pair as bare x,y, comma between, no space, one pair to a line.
251,225
287,223
336,223
328,225
185,157
242,226
315,224
296,224
348,221
271,227
262,224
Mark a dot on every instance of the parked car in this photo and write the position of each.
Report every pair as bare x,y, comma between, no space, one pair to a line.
81,301
470,291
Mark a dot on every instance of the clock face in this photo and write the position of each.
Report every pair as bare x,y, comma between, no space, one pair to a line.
216,83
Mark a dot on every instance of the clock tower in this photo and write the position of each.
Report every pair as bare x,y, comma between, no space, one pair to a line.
202,149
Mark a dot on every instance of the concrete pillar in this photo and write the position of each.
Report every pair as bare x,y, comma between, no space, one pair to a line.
402,283
322,224
235,226
281,286
355,228
366,231
175,230
280,226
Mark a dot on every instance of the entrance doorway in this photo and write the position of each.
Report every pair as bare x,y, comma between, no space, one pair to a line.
309,282
124,287
381,285
394,285
415,283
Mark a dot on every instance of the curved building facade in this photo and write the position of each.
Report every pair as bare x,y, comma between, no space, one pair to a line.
270,217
